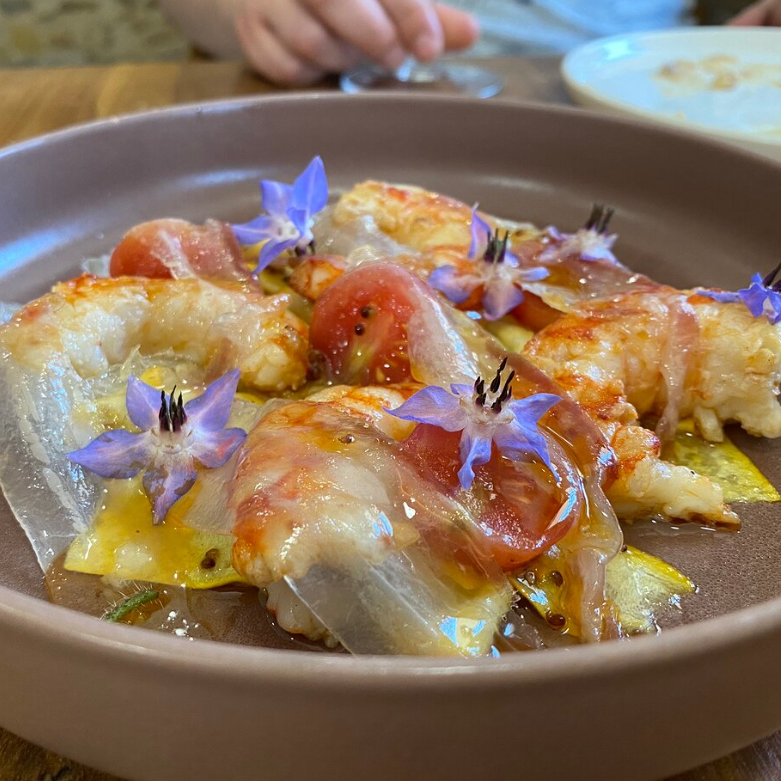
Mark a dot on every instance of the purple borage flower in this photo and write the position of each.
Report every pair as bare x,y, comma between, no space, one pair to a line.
496,271
484,416
762,297
290,211
591,242
174,438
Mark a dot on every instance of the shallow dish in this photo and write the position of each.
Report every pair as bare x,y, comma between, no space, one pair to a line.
723,81
147,706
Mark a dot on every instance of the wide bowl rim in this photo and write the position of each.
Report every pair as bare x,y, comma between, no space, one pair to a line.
65,629
580,90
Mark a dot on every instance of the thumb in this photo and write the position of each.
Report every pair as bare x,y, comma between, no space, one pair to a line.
460,29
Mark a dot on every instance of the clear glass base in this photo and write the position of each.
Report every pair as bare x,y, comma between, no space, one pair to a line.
444,78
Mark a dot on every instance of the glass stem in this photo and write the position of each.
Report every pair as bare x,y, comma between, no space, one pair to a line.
404,71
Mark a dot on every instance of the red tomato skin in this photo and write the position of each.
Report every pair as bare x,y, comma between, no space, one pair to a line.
359,328
510,533
534,313
210,249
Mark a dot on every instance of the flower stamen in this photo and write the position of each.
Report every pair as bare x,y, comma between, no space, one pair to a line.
599,219
172,415
768,280
496,248
513,427
481,395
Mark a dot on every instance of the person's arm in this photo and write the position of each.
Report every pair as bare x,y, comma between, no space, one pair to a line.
299,41
765,13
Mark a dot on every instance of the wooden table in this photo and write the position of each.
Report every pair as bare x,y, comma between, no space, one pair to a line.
38,101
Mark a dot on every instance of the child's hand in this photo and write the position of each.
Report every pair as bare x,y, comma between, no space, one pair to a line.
299,41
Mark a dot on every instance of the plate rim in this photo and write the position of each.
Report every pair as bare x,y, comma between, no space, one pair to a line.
580,90
69,629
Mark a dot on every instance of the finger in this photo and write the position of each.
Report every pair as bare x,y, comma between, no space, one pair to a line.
756,15
308,39
461,30
363,24
269,57
417,27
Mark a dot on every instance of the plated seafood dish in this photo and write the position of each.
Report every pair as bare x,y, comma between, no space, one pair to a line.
380,421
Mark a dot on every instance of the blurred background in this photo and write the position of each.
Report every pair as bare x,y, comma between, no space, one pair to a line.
79,32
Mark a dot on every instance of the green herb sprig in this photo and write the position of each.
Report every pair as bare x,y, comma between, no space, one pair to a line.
127,606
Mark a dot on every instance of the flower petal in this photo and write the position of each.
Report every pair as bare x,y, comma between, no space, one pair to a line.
501,296
510,259
300,220
754,297
271,250
433,405
480,232
458,389
533,274
474,450
257,230
212,449
143,403
551,253
528,411
455,284
166,483
515,441
310,190
724,297
523,435
211,410
119,454
600,252
774,301
275,197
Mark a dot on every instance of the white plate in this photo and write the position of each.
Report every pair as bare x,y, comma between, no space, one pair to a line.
723,81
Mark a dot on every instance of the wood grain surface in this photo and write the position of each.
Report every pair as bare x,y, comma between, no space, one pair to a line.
41,100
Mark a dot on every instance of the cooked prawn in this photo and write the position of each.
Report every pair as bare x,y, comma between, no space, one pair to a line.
418,219
96,323
352,543
416,228
615,358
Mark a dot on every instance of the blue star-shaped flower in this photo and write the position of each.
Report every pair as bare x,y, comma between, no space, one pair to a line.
174,438
762,297
495,268
484,417
592,242
290,211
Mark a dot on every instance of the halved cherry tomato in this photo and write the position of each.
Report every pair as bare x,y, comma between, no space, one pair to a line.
359,327
514,503
534,313
154,249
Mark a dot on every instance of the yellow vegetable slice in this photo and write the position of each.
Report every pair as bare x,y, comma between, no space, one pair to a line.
723,463
509,332
637,586
123,543
551,589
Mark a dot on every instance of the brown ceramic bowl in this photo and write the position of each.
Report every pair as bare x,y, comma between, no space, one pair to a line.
147,706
